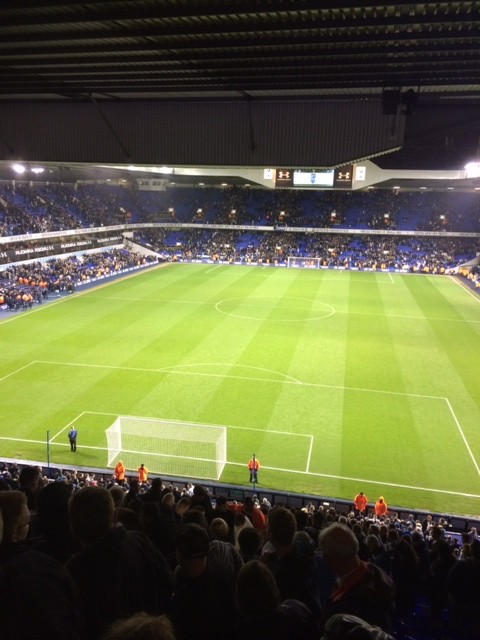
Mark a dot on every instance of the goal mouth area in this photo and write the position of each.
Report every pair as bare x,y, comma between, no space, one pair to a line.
170,447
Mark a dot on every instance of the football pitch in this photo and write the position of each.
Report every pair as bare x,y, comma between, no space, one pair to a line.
338,381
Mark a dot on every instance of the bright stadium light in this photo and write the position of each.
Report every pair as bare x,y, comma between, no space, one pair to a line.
472,170
18,168
38,170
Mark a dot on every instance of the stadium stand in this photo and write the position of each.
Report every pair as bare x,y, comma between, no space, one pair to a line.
433,569
432,559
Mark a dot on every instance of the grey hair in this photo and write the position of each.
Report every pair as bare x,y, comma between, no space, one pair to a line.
338,540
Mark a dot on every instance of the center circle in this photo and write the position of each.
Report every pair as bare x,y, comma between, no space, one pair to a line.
274,308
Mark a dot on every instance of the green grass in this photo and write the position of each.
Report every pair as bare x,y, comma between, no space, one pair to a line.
338,381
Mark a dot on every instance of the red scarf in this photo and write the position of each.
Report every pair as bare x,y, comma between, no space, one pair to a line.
350,581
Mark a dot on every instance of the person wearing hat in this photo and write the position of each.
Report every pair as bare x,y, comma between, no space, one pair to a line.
201,586
381,507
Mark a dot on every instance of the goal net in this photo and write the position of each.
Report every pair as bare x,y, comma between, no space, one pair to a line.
168,447
304,262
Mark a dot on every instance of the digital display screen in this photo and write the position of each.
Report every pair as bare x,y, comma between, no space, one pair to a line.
339,178
313,178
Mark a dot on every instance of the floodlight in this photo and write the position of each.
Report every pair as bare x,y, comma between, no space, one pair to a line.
472,170
18,168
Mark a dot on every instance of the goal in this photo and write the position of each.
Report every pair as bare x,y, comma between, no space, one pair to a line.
168,447
304,262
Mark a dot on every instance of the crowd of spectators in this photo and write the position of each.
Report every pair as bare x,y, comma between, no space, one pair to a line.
85,557
407,253
23,285
26,208
33,208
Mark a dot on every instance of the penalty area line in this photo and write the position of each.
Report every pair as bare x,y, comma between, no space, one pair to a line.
12,373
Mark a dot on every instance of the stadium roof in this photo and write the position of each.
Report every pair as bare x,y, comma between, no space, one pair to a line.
159,49
424,56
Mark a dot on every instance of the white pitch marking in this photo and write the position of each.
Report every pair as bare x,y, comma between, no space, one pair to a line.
466,289
314,385
213,268
362,481
200,424
63,429
463,435
77,294
12,373
309,454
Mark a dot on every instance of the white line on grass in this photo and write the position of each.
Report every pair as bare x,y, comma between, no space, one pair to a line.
155,301
77,294
309,454
361,481
285,381
465,288
197,424
24,440
217,266
403,317
245,366
12,373
250,305
63,429
315,385
391,278
463,435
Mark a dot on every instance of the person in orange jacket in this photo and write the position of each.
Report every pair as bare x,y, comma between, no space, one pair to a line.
142,474
381,507
253,467
361,502
119,472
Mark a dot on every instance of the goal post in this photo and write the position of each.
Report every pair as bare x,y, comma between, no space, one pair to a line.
304,262
170,447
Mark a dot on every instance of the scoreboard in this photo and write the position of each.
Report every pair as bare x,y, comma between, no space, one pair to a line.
339,178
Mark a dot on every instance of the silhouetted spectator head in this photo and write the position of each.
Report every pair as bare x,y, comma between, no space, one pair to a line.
129,517
218,529
141,626
118,495
249,542
281,527
192,547
168,499
374,544
443,550
257,591
195,516
339,547
15,515
475,550
157,484
30,478
183,505
91,512
343,626
52,506
301,518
